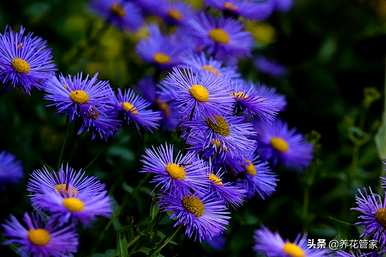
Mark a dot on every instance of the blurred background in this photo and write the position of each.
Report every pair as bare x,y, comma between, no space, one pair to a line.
334,56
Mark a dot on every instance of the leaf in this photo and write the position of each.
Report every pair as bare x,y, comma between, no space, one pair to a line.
380,141
108,253
122,246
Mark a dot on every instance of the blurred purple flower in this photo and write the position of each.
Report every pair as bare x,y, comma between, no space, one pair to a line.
251,9
11,170
270,67
40,238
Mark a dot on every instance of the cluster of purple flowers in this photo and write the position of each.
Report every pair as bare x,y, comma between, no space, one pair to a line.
66,198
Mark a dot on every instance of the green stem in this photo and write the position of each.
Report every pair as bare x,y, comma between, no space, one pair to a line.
68,129
165,242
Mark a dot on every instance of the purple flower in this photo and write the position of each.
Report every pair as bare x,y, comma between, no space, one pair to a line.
170,116
270,67
11,170
152,7
204,218
203,64
372,209
69,194
226,39
135,108
283,5
230,193
162,51
258,101
257,177
176,12
195,95
281,144
122,14
175,173
25,60
220,136
40,238
251,9
272,245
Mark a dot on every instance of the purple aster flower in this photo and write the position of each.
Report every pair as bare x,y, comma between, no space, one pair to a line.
230,193
73,95
281,144
176,12
272,245
202,63
270,67
251,9
160,50
175,173
258,101
220,136
11,170
217,243
37,237
69,194
122,14
226,39
25,60
372,209
170,116
283,5
152,7
257,177
204,218
135,108
100,122
195,94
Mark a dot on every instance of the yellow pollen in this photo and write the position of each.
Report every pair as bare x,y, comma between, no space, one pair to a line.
279,144
199,92
293,250
250,168
211,69
380,215
79,96
161,58
129,107
164,107
73,204
20,65
64,188
220,126
175,14
193,205
117,10
219,36
240,95
39,237
215,179
230,6
175,171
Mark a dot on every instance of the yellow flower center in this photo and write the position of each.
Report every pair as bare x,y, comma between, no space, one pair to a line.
380,215
39,237
240,95
219,36
93,113
73,204
117,10
211,69
164,107
20,65
65,188
129,107
79,96
193,205
175,171
230,6
220,126
199,92
175,14
279,144
215,179
161,58
293,250
250,168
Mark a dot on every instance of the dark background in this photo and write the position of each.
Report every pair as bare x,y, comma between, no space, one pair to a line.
335,53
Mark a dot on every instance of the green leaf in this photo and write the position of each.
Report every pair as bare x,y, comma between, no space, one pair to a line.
122,245
108,253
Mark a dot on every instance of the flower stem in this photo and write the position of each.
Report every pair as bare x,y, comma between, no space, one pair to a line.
165,242
68,129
